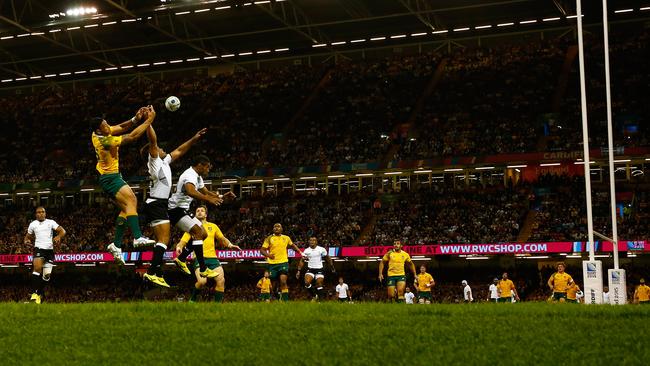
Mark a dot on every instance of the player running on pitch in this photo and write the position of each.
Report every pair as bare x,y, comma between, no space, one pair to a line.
107,140
40,233
275,250
396,259
314,255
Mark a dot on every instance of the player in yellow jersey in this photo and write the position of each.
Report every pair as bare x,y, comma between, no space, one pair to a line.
642,293
572,291
506,288
558,283
425,284
107,140
396,259
264,284
275,250
215,236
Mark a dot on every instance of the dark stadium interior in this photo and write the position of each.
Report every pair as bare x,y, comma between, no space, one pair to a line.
283,122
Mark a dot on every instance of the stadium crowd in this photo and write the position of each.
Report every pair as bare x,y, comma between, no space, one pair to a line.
434,214
490,100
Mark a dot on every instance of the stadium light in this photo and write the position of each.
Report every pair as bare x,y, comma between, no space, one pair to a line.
281,179
92,10
484,168
81,11
308,178
550,164
517,166
476,258
453,170
392,173
422,171
336,176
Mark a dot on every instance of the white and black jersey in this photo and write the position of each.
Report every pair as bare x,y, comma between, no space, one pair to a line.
314,258
179,203
43,232
342,292
180,198
160,174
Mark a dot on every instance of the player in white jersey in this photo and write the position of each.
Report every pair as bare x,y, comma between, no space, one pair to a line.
343,291
493,291
467,292
409,296
190,186
40,232
314,256
160,175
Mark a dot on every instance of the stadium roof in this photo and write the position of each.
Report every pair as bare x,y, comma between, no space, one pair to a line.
40,42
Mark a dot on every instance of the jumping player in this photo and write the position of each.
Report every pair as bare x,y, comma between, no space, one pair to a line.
107,140
160,174
189,187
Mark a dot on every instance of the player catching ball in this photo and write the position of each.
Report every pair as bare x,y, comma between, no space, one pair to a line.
107,140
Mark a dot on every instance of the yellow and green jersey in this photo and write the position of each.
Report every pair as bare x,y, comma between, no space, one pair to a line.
506,287
561,281
423,280
642,293
264,285
107,151
396,261
214,233
572,291
277,245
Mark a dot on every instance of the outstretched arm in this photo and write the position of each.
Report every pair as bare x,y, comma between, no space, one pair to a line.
153,141
182,149
123,127
135,134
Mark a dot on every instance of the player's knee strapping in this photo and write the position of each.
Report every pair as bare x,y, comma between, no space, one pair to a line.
47,271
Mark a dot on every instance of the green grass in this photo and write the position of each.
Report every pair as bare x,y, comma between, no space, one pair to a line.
297,333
